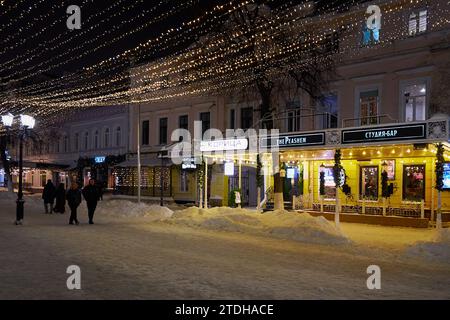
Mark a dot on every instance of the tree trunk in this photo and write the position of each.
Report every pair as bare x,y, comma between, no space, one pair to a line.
439,211
278,192
200,201
258,197
336,216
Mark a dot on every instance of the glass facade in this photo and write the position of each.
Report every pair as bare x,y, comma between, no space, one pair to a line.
368,186
414,183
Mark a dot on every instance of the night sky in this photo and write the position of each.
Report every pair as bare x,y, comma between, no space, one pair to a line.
40,25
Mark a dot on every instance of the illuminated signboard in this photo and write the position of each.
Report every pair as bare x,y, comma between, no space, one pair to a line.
188,163
381,134
224,145
295,140
229,168
447,176
290,173
100,159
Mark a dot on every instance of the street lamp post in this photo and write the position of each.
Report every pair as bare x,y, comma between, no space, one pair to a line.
26,123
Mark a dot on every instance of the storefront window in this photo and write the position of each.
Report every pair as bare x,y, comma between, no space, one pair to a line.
330,186
368,186
414,183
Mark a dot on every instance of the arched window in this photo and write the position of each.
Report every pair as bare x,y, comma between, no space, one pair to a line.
77,142
106,145
86,140
58,146
96,139
118,137
66,143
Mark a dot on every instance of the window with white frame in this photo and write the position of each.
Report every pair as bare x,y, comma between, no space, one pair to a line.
293,116
368,107
415,101
418,22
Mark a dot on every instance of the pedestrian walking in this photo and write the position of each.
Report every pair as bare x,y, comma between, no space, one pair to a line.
60,196
73,197
91,195
48,195
100,190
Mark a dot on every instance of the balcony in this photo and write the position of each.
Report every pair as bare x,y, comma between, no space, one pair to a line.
368,121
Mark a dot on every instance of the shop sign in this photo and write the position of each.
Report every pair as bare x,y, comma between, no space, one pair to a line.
290,173
188,163
391,133
100,159
297,140
229,168
224,145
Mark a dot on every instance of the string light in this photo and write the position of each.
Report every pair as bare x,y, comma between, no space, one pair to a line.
221,64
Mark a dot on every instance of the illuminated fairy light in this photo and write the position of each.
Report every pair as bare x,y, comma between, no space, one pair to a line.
70,52
124,56
29,55
240,64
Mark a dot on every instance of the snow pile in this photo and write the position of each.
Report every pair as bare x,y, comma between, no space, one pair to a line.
30,200
437,250
277,224
6,196
126,209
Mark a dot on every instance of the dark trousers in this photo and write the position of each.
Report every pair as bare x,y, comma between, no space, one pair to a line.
91,210
73,214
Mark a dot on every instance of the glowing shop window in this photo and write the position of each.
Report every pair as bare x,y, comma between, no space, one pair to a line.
330,185
414,183
368,187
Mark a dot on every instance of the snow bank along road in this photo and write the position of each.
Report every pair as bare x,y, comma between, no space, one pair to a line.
226,256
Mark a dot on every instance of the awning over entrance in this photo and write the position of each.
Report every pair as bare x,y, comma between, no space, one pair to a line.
41,165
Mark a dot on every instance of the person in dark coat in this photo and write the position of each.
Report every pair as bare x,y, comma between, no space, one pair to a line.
73,197
100,190
60,195
48,195
91,195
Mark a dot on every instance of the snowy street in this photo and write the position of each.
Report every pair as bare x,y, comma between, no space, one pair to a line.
138,257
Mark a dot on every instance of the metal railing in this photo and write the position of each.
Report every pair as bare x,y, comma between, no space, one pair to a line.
368,121
280,119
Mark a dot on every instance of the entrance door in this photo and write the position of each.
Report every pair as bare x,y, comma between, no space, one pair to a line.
293,183
233,183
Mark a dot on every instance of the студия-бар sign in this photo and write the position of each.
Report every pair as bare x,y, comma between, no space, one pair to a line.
390,133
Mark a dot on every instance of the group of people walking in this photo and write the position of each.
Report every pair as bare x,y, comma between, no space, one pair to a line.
55,199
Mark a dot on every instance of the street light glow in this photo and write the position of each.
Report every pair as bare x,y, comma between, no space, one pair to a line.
8,120
27,121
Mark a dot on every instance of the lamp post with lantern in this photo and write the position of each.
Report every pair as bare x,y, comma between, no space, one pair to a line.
26,123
